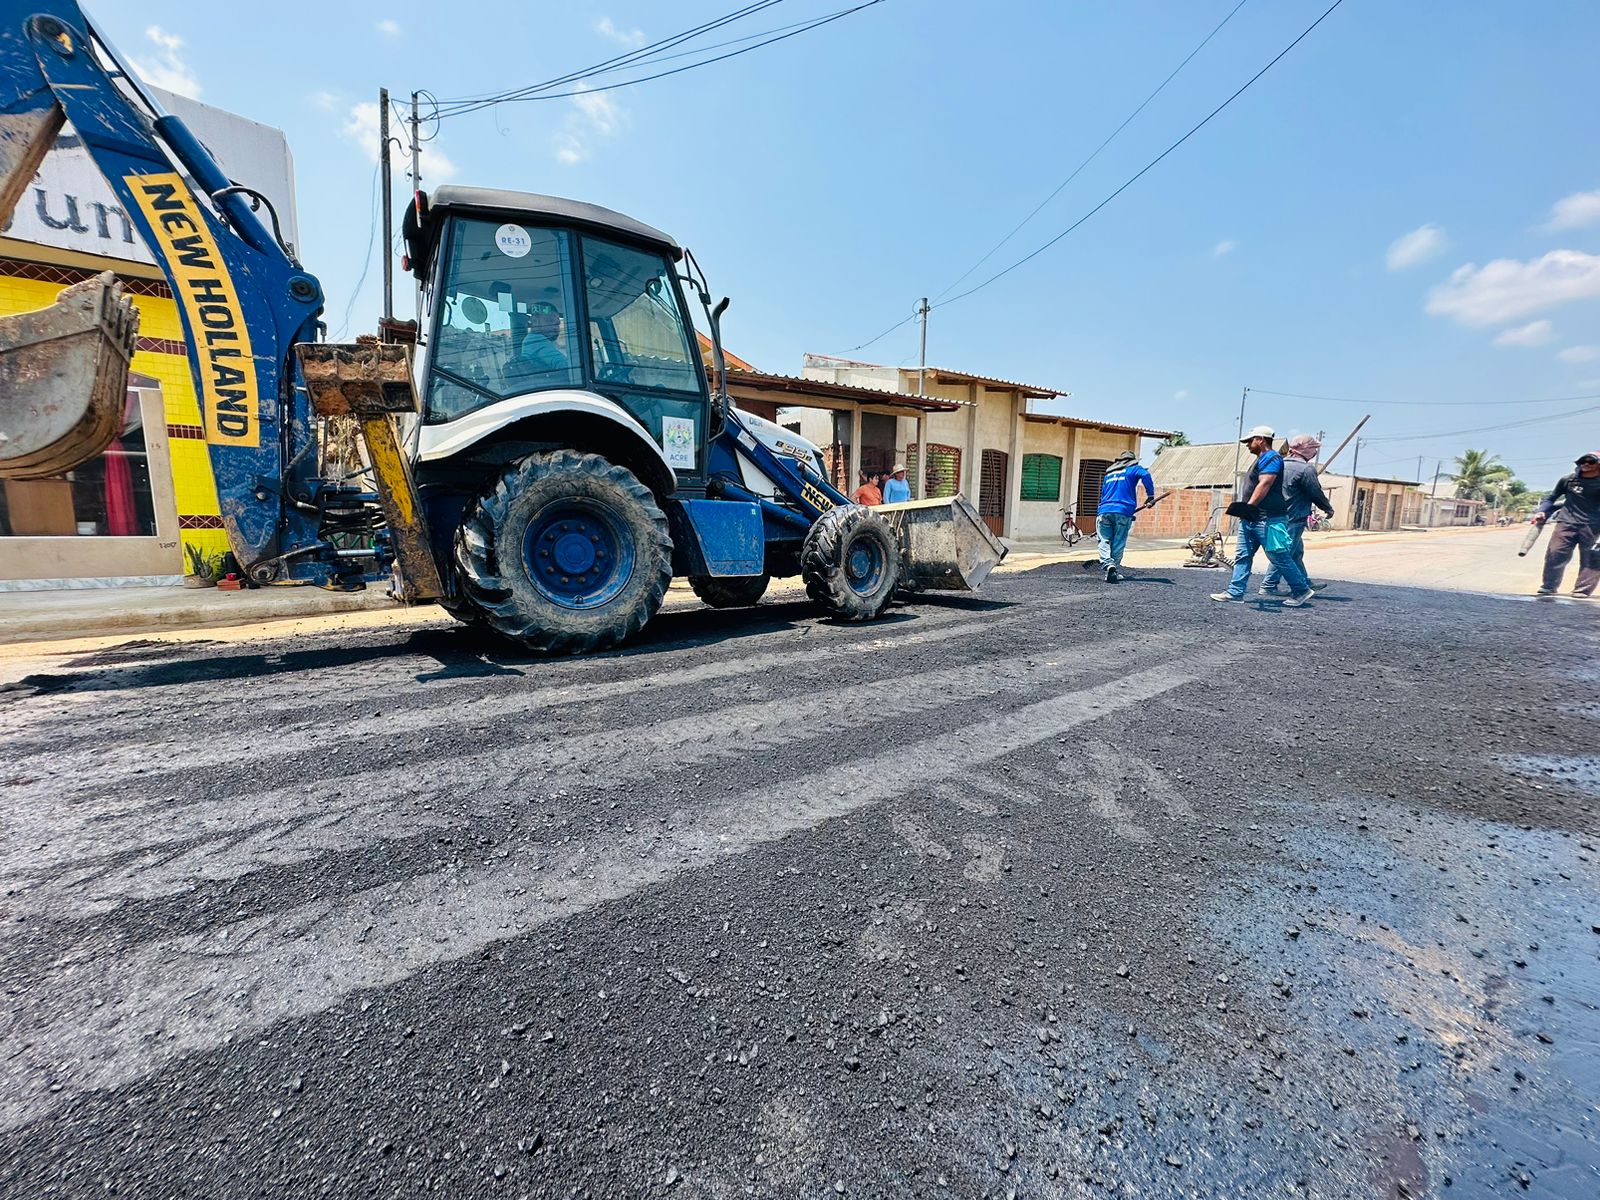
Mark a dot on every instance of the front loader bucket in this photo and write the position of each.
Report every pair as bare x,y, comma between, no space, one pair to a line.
947,546
64,379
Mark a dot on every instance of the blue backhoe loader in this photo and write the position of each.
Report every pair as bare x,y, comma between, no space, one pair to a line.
544,462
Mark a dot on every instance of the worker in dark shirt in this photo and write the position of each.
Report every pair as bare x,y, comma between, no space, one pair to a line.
1576,528
1303,486
1267,525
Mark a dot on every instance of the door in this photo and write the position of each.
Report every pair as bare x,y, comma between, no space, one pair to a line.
944,469
993,477
1091,474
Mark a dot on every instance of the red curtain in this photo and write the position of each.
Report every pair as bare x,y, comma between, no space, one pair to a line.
121,519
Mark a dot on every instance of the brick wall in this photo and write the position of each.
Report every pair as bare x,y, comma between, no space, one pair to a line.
1182,514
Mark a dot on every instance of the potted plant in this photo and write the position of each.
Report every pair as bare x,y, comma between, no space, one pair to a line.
199,575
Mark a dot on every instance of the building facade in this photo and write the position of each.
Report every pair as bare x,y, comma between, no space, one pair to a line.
127,516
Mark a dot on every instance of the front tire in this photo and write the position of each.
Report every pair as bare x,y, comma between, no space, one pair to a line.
567,553
729,591
851,563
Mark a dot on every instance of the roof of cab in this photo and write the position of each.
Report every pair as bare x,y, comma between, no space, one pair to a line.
532,205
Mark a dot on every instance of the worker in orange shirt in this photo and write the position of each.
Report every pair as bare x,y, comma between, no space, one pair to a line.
868,493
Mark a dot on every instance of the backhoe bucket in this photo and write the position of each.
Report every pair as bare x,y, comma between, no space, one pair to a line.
64,379
947,546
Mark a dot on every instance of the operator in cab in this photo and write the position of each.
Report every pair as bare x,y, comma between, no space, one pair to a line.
540,352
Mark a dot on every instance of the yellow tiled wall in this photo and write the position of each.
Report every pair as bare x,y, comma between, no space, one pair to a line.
193,483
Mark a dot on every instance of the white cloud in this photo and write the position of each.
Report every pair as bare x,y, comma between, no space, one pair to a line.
1417,246
361,127
167,69
1222,248
326,101
1505,289
1535,333
626,37
596,117
1574,211
1579,354
1180,394
391,28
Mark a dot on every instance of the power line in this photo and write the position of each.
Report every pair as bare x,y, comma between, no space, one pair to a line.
541,92
1426,437
882,335
366,264
1150,165
1424,403
1079,168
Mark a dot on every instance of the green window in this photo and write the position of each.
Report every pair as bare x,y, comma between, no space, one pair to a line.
1041,477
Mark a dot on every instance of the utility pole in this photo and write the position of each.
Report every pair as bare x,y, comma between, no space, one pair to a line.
1433,492
1357,513
416,190
923,458
1238,445
385,192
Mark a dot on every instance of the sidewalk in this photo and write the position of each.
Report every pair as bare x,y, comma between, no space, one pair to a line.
98,612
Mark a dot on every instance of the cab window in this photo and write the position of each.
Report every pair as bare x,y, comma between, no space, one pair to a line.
501,312
637,333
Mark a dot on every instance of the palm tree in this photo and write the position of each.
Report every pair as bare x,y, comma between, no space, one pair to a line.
1479,475
1172,439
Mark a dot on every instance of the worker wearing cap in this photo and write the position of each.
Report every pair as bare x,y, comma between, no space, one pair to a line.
1119,500
1265,523
895,488
1303,487
1576,528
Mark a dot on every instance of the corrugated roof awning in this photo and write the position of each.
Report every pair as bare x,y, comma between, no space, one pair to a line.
1090,423
791,389
941,375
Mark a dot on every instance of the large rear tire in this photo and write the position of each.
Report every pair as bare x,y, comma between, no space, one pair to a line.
851,563
567,553
729,591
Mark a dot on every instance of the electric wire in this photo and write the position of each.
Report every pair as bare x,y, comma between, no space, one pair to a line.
705,62
998,275
1426,437
631,58
1423,403
366,262
1094,155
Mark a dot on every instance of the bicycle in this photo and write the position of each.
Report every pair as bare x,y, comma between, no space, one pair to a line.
1070,533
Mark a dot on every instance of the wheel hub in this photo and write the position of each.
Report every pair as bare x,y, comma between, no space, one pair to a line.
578,554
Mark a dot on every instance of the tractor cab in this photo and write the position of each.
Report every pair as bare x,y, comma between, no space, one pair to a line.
536,305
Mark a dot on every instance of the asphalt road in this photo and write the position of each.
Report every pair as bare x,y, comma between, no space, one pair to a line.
1065,889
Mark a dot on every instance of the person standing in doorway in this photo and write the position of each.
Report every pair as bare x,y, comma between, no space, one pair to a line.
1263,523
895,488
1119,500
868,492
1303,486
1576,528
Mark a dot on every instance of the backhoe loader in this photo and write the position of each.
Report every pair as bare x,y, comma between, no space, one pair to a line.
546,461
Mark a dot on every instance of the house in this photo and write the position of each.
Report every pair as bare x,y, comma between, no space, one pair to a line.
128,515
1365,502
1019,467
1436,505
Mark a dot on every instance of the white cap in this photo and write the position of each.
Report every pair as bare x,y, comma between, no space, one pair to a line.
1260,431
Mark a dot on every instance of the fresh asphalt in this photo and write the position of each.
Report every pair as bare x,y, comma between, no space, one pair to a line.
1061,889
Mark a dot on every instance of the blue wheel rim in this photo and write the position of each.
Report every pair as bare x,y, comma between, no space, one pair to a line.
864,566
578,554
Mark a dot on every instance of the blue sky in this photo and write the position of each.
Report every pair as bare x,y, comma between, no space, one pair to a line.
1406,208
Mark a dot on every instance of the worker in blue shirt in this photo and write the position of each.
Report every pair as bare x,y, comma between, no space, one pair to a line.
895,488
1119,500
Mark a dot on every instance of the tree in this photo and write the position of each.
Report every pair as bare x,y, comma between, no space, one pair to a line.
1516,499
1174,439
1479,475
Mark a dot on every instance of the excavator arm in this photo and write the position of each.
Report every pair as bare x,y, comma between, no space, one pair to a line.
244,300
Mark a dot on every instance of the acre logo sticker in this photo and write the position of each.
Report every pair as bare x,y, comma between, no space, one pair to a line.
219,338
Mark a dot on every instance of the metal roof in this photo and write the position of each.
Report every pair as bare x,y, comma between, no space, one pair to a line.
793,385
1210,464
944,374
531,204
1091,423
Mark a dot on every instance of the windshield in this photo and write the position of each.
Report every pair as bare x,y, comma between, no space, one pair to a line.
502,308
636,327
